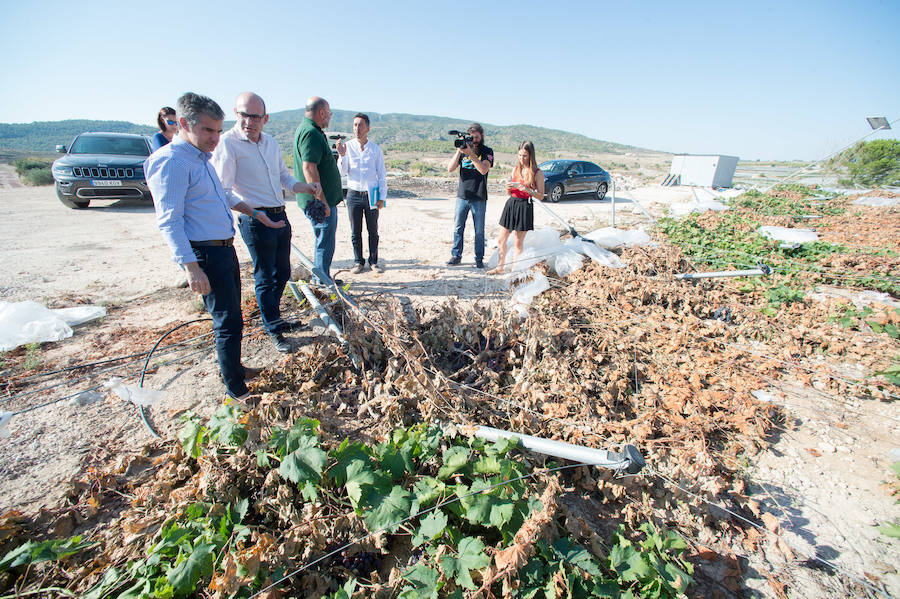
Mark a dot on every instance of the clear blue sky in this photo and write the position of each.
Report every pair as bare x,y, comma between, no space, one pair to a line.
770,80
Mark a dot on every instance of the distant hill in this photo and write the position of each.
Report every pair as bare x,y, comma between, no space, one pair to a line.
393,131
43,136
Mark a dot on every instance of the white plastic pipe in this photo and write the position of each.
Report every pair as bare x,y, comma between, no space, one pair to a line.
752,272
630,460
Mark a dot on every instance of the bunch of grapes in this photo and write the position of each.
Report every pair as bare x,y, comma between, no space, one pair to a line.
316,211
362,564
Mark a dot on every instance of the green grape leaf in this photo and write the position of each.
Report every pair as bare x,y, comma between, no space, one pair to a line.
185,575
469,556
432,526
225,428
386,511
425,581
346,454
455,459
568,551
304,464
35,552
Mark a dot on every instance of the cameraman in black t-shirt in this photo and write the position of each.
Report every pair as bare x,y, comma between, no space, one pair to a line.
474,162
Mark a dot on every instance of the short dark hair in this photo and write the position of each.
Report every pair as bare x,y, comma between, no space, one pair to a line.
363,116
475,127
191,106
163,113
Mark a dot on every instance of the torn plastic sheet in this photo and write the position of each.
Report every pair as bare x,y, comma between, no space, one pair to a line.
30,322
139,396
875,201
86,398
524,294
5,417
610,237
698,206
788,235
545,244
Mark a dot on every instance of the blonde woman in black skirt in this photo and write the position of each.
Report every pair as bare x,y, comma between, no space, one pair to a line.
526,182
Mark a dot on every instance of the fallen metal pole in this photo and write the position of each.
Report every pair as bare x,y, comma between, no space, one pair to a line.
630,460
752,272
323,313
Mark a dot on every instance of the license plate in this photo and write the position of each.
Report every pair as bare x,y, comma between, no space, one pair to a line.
106,183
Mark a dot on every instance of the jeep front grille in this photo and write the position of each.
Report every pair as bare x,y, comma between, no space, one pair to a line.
94,172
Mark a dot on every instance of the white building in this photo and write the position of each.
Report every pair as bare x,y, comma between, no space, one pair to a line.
702,170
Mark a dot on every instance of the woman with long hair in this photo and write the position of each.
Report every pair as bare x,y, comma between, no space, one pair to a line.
168,127
525,183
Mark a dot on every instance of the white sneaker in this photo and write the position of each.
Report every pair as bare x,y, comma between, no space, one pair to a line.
378,268
357,268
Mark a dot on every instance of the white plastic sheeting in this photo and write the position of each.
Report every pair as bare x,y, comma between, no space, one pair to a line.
610,237
523,294
788,235
875,201
565,258
5,417
139,396
30,322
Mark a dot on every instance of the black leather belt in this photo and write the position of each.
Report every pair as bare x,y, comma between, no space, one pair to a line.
216,242
271,210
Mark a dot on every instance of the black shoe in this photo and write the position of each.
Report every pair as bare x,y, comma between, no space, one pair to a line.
454,261
280,343
479,264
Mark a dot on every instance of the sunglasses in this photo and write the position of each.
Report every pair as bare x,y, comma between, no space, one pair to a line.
251,117
170,122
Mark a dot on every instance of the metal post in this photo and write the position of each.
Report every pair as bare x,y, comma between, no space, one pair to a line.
613,203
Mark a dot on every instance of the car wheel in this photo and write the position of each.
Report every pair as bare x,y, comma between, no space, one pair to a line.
601,191
556,193
70,201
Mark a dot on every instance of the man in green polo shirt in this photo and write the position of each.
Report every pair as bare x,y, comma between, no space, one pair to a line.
314,162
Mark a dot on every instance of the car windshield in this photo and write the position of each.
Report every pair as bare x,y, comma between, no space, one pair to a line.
94,144
554,166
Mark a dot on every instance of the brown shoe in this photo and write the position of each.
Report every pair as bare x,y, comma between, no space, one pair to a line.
246,402
251,373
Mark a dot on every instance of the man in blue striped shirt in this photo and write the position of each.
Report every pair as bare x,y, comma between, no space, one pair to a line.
195,219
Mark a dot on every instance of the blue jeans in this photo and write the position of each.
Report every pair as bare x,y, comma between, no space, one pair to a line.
270,250
223,302
324,252
478,208
357,207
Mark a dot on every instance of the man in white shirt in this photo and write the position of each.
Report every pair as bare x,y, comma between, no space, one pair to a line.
252,171
362,162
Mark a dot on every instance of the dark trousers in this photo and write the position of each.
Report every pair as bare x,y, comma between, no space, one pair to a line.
223,302
270,250
357,208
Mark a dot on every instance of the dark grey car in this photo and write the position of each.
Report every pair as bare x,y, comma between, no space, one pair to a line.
101,166
569,177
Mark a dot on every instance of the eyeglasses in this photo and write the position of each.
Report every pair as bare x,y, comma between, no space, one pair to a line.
251,117
168,122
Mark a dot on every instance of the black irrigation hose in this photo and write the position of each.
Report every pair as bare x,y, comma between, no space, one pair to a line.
147,363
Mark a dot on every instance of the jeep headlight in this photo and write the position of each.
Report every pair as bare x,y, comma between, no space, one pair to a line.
62,171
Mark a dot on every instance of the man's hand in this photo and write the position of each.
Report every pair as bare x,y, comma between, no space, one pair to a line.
340,147
380,204
313,188
264,219
327,208
197,279
468,151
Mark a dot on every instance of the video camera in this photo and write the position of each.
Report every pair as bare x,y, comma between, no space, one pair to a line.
463,139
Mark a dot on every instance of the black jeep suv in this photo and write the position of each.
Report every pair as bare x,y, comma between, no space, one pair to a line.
101,166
